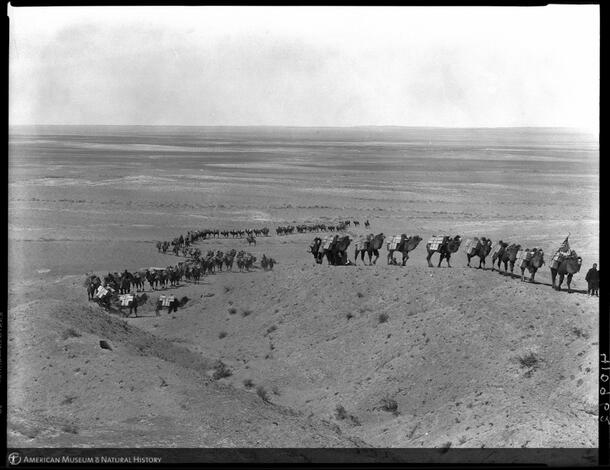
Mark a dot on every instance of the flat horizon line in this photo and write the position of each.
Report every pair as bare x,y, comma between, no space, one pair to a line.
249,126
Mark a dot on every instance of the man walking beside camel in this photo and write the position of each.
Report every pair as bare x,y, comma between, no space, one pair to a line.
592,279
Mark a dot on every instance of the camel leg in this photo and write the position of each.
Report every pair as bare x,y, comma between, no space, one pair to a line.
428,259
405,257
468,264
522,275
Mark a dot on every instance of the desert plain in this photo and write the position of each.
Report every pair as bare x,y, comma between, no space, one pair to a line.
318,355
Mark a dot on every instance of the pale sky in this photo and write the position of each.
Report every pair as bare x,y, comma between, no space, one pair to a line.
305,66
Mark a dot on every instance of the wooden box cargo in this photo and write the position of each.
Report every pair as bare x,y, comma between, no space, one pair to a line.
393,242
101,292
326,242
361,244
557,259
495,249
435,242
166,300
126,299
471,245
523,256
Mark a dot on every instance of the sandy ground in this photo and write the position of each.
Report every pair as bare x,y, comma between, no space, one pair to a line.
312,337
328,345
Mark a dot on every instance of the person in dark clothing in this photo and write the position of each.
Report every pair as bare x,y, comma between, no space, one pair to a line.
592,279
133,306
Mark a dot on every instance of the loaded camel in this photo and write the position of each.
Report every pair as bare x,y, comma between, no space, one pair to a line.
405,245
567,265
445,248
370,245
532,263
482,249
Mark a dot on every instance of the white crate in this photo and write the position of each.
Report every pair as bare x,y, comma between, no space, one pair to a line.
435,242
326,243
101,292
393,242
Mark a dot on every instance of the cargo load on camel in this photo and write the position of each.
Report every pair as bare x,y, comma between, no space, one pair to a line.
523,257
436,242
126,299
393,242
326,242
361,244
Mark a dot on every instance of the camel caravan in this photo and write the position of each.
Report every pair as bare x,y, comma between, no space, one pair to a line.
305,228
183,242
115,290
565,262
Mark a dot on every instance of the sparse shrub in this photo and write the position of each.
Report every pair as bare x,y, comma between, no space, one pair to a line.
232,311
276,391
70,333
530,360
228,289
221,371
271,329
360,295
245,313
383,317
349,315
261,392
579,333
340,412
248,383
389,404
70,428
222,334
445,447
69,399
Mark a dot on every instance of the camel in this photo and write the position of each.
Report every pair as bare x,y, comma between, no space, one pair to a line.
91,284
251,240
228,260
509,255
532,263
267,263
498,254
125,283
367,224
314,249
218,260
405,245
371,245
482,249
138,281
565,265
336,253
449,245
